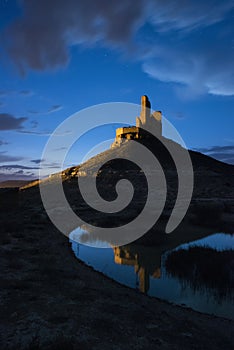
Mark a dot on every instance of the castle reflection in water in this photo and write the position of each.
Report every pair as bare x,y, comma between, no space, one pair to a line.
177,269
145,265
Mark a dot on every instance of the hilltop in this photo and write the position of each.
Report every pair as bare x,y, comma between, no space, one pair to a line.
212,201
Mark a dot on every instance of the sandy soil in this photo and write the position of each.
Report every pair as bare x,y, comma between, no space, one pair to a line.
50,300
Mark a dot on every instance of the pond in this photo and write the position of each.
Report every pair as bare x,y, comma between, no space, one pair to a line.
197,274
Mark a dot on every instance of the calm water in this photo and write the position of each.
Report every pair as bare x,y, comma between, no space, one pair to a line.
144,268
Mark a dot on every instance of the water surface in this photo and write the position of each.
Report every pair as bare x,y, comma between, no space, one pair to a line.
144,268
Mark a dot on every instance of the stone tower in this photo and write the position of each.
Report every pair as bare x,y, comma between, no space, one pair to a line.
147,121
145,109
145,112
151,121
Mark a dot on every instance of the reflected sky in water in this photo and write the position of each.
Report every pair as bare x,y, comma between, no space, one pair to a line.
143,268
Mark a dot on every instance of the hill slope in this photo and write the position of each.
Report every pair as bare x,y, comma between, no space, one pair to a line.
212,199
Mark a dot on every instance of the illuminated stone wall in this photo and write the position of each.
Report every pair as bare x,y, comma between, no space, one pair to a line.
146,120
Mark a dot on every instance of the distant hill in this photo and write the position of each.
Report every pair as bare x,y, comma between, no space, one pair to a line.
13,183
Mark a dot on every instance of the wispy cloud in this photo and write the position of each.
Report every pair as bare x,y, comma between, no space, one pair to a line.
17,166
59,149
52,109
46,164
36,161
183,46
9,122
43,133
55,108
179,116
8,92
229,148
51,165
14,174
17,172
34,123
31,132
223,153
4,93
4,157
26,93
2,143
17,176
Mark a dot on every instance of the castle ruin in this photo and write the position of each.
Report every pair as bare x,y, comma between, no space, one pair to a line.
146,121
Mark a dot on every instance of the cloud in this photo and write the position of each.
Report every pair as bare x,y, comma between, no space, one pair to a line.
17,176
52,165
36,161
13,174
188,15
179,116
39,133
43,133
201,63
18,171
187,42
7,158
4,93
222,153
2,143
45,164
9,122
52,109
66,23
59,149
32,111
34,123
17,166
55,108
216,149
26,92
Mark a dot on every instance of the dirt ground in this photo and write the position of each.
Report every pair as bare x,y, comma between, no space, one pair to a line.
50,300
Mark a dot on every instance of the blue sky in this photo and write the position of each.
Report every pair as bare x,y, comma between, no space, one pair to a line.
58,57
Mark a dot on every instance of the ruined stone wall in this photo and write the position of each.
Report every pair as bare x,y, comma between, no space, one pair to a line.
151,122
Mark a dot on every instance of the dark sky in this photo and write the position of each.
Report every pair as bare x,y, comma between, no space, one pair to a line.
58,57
